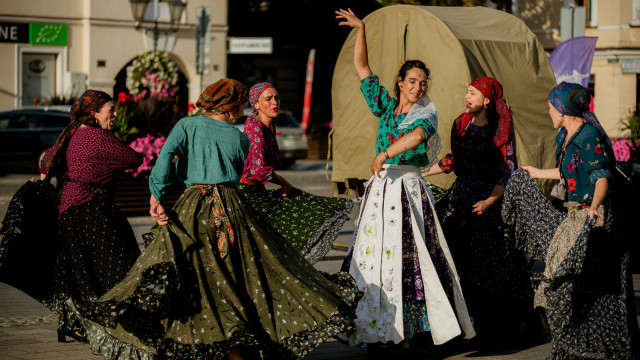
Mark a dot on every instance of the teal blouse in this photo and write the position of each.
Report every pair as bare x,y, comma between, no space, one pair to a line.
209,152
383,105
585,161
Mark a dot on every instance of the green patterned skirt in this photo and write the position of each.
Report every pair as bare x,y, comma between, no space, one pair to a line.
308,222
218,276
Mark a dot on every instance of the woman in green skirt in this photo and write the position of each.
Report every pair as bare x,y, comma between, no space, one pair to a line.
216,281
310,223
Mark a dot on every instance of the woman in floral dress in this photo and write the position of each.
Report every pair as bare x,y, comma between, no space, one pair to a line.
586,289
215,282
399,256
310,223
493,272
95,245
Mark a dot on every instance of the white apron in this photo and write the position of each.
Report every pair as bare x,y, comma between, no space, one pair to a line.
376,263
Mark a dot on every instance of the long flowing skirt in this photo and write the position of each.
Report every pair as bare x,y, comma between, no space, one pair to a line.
587,290
88,251
97,249
309,223
493,273
401,261
218,276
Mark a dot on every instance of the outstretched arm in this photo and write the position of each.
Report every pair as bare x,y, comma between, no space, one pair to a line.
360,57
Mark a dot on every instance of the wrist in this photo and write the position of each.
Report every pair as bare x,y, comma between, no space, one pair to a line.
386,155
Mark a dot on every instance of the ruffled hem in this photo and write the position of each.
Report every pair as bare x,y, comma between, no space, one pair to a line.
322,240
295,346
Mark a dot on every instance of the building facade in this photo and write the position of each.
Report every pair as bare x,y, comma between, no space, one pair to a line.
60,48
615,72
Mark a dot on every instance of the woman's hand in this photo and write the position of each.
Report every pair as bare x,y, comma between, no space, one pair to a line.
350,19
156,210
592,214
286,187
376,164
481,207
534,172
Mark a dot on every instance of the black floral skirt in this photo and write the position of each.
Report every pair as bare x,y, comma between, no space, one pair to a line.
216,277
493,273
587,289
308,222
97,249
83,254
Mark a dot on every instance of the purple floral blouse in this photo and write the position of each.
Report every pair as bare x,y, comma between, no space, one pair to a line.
264,152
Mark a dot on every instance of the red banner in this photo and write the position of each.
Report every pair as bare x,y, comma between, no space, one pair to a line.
306,106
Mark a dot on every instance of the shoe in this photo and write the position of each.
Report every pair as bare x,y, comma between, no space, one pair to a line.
66,332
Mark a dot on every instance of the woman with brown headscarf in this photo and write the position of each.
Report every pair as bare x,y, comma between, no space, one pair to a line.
216,281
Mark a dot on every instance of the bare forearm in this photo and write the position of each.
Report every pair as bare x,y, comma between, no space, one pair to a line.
433,170
407,142
602,185
360,55
496,194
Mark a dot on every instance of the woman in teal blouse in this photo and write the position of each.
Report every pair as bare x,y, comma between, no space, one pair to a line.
216,281
586,289
399,256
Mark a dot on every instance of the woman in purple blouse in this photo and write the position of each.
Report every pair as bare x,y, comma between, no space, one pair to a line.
310,223
97,245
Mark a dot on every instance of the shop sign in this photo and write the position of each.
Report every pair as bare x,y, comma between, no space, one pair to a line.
630,66
47,34
35,34
263,45
14,32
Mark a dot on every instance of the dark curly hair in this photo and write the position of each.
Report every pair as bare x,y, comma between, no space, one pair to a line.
408,65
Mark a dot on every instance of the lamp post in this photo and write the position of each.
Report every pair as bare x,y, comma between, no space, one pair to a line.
139,7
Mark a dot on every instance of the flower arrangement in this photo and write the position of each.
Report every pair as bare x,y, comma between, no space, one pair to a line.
122,127
149,146
152,74
624,148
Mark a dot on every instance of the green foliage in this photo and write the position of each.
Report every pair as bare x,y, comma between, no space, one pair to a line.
122,128
632,124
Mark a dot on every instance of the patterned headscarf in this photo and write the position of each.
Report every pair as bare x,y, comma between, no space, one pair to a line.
222,96
90,101
492,90
255,92
573,100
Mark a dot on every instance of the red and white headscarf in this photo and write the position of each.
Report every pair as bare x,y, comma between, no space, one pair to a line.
255,92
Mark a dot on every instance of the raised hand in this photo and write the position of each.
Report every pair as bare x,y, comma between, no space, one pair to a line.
350,19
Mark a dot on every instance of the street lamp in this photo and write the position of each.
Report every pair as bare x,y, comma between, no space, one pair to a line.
139,7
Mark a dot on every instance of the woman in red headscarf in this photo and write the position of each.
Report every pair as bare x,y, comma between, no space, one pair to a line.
310,223
493,274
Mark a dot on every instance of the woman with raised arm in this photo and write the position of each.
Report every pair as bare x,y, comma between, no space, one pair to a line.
586,287
493,273
216,282
399,256
310,223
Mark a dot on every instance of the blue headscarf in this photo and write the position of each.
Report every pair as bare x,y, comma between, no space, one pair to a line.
573,100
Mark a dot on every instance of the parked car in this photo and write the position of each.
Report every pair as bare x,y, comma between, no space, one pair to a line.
291,141
27,132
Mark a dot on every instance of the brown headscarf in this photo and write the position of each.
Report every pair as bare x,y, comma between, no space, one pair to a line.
222,96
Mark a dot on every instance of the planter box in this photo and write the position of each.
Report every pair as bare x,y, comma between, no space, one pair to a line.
131,195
